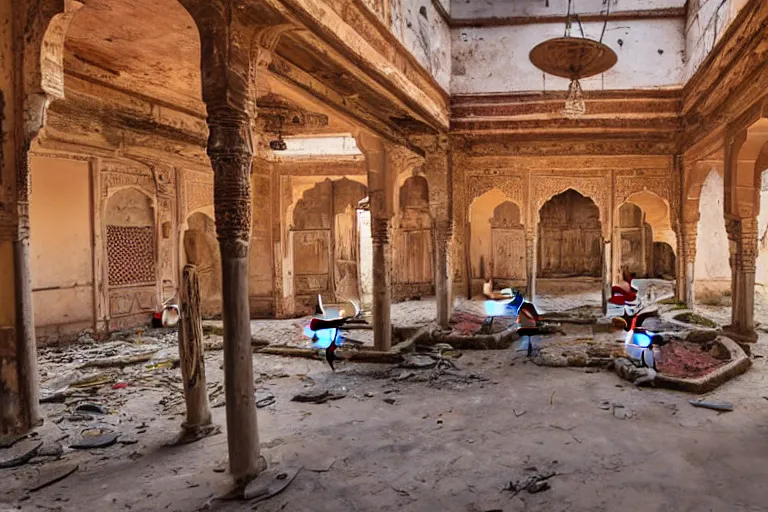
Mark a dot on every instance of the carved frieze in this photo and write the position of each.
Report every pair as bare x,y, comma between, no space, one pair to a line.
511,186
199,195
118,175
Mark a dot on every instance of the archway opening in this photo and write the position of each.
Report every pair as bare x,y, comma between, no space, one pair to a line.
325,243
202,250
569,237
569,252
413,252
497,242
647,240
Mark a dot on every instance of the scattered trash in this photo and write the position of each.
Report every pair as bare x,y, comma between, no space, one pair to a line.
517,415
99,440
620,412
605,405
264,398
120,385
269,483
321,465
715,406
418,362
320,396
20,453
52,474
86,408
533,484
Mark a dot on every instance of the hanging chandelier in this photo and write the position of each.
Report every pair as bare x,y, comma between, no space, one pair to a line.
575,58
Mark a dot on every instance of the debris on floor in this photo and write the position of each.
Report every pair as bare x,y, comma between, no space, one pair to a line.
320,396
533,483
715,406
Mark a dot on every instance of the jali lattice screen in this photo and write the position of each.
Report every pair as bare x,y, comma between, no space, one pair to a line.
130,255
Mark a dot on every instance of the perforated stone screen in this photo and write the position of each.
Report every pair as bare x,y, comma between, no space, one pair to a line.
130,255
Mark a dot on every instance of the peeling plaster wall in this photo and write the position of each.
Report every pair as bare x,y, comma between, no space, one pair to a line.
421,28
706,23
60,244
495,59
712,270
462,9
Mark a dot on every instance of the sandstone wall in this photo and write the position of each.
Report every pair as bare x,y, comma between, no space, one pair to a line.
61,246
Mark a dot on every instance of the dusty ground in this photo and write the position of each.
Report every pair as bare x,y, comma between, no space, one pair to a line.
452,442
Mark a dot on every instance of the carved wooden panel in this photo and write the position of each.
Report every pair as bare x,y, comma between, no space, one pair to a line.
508,253
413,253
312,251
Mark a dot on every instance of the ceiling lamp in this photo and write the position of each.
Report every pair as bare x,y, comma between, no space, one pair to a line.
575,58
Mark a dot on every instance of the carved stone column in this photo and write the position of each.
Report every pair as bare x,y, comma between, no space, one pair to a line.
531,243
443,287
31,76
689,231
381,215
227,79
230,151
607,273
439,170
742,234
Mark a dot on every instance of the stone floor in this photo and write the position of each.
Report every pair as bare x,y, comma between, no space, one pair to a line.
448,441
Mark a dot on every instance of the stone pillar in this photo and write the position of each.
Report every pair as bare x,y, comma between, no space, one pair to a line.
443,231
230,151
531,263
742,234
689,231
607,274
227,73
438,167
381,215
31,76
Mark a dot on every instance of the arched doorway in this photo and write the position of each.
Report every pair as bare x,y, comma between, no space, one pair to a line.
646,237
570,237
202,250
635,235
496,242
413,252
325,242
508,245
